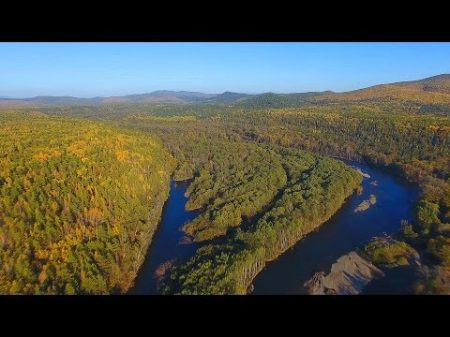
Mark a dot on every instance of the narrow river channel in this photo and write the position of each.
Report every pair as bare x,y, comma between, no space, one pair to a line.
169,242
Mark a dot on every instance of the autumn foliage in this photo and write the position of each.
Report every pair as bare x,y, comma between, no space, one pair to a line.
79,202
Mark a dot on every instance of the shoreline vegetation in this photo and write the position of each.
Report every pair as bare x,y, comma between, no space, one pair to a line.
80,198
230,266
405,161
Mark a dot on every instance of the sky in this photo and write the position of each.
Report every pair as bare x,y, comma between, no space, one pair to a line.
108,69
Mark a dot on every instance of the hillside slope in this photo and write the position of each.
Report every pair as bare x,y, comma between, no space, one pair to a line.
79,203
432,90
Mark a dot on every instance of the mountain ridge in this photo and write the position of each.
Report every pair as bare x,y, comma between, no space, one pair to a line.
435,89
432,90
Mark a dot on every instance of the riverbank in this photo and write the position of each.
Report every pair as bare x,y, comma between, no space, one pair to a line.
348,276
169,242
344,232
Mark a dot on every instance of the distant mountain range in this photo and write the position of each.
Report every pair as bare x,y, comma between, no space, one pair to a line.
432,90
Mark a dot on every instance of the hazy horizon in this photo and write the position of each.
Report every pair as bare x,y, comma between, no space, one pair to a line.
90,70
191,91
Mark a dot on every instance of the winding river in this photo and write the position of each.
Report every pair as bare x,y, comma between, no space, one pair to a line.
345,231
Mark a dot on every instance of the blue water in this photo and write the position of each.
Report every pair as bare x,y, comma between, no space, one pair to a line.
168,241
344,232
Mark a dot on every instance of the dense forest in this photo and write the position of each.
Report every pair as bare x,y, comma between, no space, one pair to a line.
415,147
79,202
314,188
82,187
255,201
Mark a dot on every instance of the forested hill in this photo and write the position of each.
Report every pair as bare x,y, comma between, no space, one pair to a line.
281,100
79,203
432,90
156,97
427,95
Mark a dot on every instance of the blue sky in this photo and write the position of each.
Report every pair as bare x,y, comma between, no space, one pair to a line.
103,69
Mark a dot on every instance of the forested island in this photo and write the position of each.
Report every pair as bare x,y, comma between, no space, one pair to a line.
83,184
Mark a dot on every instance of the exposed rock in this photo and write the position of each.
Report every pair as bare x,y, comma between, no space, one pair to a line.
365,205
315,284
161,270
348,276
357,169
185,240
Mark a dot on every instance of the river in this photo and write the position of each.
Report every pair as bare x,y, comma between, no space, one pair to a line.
169,242
344,232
